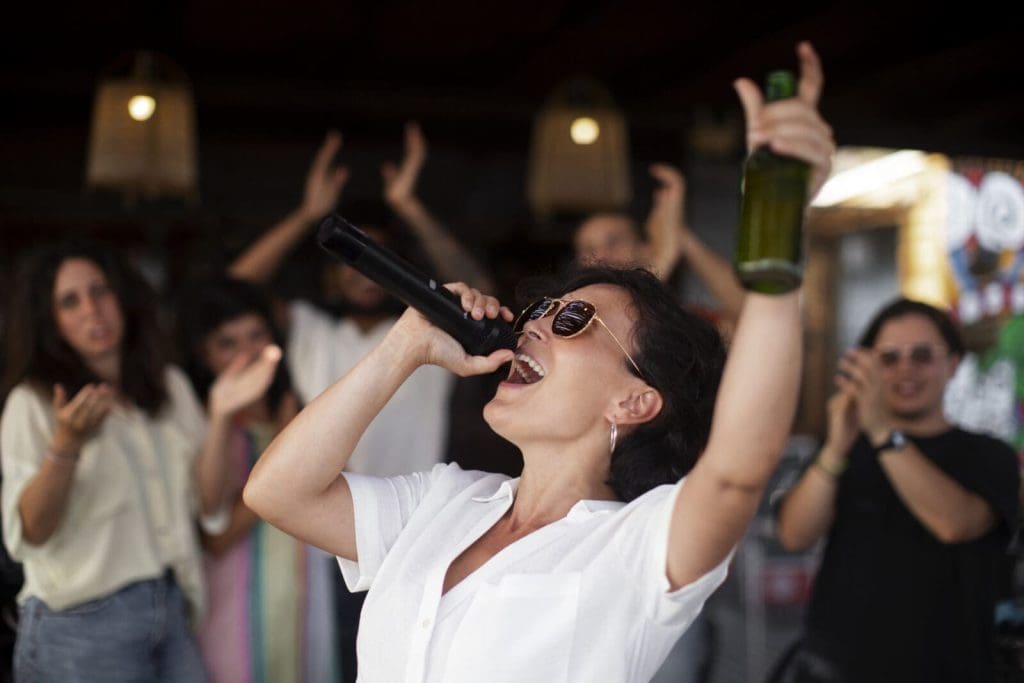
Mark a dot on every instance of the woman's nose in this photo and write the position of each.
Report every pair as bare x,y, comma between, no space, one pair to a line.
250,348
536,329
90,305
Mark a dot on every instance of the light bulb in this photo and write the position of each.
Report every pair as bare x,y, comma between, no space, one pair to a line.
141,107
584,130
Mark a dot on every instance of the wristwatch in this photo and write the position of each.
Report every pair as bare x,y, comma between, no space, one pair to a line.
897,439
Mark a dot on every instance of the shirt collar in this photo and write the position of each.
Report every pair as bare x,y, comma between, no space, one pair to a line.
584,509
589,508
506,491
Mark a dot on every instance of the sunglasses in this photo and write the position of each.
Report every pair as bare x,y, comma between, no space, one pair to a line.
572,318
919,354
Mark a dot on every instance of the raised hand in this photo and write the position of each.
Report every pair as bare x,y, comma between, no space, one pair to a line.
843,422
792,127
78,418
666,224
400,181
325,181
243,382
860,377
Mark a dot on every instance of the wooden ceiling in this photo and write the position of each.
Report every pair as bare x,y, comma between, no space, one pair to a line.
900,75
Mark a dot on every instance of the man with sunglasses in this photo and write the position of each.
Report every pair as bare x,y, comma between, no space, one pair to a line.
917,514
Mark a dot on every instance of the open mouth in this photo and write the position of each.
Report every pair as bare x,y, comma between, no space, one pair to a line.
525,370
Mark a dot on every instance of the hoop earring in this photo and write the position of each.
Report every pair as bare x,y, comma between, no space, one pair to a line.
613,437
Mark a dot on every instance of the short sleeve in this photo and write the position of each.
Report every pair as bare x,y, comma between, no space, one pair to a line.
644,546
382,508
26,429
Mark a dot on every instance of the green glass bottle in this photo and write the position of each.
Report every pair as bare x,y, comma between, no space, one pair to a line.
769,246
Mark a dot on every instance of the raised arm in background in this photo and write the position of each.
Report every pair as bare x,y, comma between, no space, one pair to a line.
453,262
324,183
671,238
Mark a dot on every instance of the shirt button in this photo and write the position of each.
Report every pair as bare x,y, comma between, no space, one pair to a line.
425,624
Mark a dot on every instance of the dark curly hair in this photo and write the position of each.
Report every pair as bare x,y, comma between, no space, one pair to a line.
679,353
206,305
37,353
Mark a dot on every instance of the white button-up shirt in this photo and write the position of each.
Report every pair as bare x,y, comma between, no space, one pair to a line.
583,599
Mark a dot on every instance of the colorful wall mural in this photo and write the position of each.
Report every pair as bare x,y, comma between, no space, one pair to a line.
985,247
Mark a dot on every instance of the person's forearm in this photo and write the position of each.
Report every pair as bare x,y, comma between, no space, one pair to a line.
241,523
44,499
758,395
212,466
717,276
260,261
304,460
751,424
807,511
948,510
453,262
663,260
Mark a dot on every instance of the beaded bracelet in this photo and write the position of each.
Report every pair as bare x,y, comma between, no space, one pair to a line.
832,471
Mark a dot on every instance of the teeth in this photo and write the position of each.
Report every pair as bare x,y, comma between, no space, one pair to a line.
534,365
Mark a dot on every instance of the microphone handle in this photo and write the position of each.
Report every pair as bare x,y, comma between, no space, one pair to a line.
425,294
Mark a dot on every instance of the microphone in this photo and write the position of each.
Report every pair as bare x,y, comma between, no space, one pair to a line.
441,307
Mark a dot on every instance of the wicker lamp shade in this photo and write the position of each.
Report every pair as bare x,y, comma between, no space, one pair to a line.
579,156
143,136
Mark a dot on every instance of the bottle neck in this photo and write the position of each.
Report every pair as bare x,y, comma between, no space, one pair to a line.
780,85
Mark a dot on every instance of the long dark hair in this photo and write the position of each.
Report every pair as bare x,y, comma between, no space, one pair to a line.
679,353
208,304
37,353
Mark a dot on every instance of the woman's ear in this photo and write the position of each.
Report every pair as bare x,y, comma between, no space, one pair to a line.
642,405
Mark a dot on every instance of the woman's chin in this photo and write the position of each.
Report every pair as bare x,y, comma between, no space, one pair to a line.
498,415
489,413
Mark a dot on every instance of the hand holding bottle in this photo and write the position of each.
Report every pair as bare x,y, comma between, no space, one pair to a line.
792,126
791,151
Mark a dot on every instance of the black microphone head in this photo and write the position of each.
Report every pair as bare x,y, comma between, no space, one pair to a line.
441,307
342,239
495,334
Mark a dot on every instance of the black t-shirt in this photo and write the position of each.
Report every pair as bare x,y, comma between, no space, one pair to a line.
891,602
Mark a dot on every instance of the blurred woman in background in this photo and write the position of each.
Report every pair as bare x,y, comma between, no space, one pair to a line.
268,617
107,467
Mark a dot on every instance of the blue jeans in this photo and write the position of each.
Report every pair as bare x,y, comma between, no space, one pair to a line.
140,633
